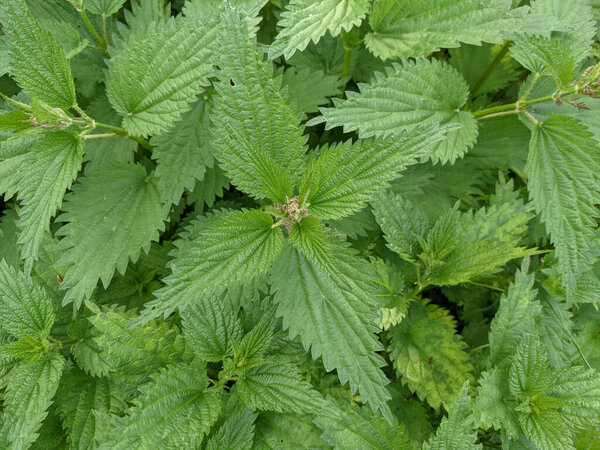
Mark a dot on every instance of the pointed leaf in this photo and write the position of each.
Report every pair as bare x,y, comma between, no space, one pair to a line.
348,175
29,393
563,169
278,387
238,246
25,308
174,410
169,63
37,59
112,214
323,297
306,20
402,29
257,136
409,95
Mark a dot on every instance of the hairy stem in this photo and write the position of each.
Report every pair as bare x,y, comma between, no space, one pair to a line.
97,36
97,136
490,69
511,108
123,133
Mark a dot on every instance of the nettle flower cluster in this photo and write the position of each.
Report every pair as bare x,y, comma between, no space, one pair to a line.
291,212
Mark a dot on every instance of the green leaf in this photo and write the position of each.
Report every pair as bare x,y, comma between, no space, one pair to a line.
129,354
236,433
279,387
25,308
212,186
324,296
348,428
307,88
79,399
402,223
210,325
174,410
257,137
483,241
183,154
394,303
154,94
430,357
402,29
545,56
568,22
410,94
237,246
549,406
28,395
105,7
554,405
519,309
112,214
306,20
138,19
37,60
8,237
4,57
491,408
287,431
346,176
472,61
252,348
563,167
456,431
52,164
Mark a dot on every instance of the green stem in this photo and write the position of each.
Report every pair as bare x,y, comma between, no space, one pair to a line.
105,30
530,117
490,69
561,317
98,38
487,286
118,131
84,116
480,347
346,63
534,80
123,133
97,136
511,108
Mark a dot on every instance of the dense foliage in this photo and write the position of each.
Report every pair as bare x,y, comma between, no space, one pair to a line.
299,224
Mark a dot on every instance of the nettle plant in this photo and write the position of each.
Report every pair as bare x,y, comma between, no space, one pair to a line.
317,224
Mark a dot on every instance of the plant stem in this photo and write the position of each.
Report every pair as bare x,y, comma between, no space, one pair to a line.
84,116
346,62
123,133
97,136
490,69
531,85
105,30
101,42
561,317
510,108
480,347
